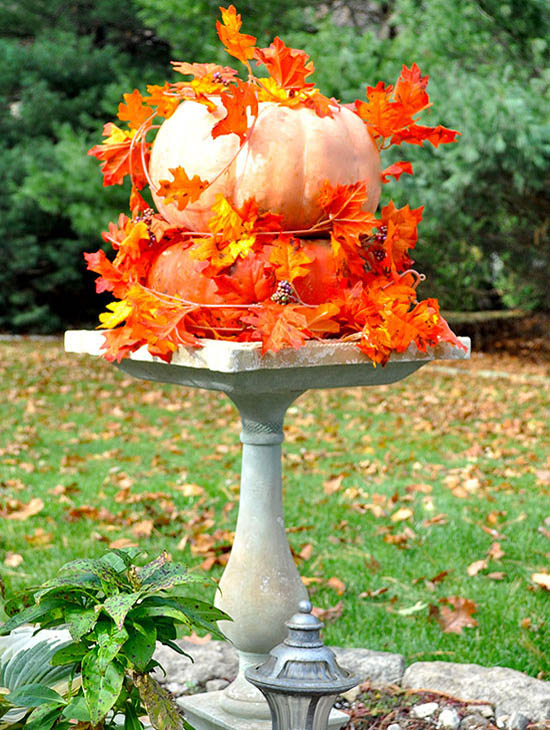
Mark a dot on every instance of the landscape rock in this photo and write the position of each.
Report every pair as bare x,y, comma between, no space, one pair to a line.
215,660
449,719
507,689
517,721
379,667
474,722
426,709
394,726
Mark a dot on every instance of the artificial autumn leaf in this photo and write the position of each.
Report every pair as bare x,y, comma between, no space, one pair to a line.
403,222
202,70
344,207
288,67
237,100
410,90
182,189
110,278
396,170
163,99
319,319
278,326
237,44
456,613
122,155
119,312
418,134
133,110
381,115
289,259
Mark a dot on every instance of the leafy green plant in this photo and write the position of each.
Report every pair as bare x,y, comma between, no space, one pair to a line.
115,613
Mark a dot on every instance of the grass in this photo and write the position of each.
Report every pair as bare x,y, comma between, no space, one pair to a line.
393,491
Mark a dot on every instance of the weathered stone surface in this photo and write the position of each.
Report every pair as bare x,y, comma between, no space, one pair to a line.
380,667
474,722
426,709
216,660
449,719
508,690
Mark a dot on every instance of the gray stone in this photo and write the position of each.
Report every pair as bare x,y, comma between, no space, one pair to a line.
426,709
379,667
502,721
449,719
507,689
394,726
517,721
474,722
484,710
216,660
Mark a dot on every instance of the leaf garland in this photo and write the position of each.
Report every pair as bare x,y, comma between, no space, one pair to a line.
365,271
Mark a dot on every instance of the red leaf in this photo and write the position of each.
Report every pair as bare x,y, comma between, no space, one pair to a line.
396,170
410,90
289,67
237,100
417,134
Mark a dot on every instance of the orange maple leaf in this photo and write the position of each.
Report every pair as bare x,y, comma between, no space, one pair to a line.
122,155
133,110
278,326
237,99
237,44
457,615
182,190
396,170
224,74
290,260
288,67
382,116
344,206
410,90
404,234
164,98
418,134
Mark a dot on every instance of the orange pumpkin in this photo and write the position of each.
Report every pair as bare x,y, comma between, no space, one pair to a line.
283,164
177,273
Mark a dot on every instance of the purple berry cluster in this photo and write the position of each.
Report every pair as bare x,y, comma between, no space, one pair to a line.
285,293
147,217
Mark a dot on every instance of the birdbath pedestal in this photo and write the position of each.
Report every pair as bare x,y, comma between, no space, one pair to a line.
260,587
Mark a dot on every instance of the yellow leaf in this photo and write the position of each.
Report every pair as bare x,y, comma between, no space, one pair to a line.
119,312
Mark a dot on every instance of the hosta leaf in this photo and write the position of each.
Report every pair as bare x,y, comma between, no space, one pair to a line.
140,645
101,690
30,615
118,606
161,708
34,695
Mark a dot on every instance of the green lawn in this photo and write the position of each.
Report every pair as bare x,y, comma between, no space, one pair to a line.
390,492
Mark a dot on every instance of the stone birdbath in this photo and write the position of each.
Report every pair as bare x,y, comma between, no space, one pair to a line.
260,587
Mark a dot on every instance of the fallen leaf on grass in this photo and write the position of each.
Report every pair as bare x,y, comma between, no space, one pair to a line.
337,585
39,538
13,560
403,513
477,566
497,575
333,485
375,593
143,528
24,511
328,614
190,490
123,542
456,613
306,580
306,552
440,519
542,580
495,551
418,606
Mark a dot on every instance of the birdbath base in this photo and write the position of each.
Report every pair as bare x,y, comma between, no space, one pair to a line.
260,587
205,712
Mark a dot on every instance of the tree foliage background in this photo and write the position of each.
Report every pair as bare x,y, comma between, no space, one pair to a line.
485,238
